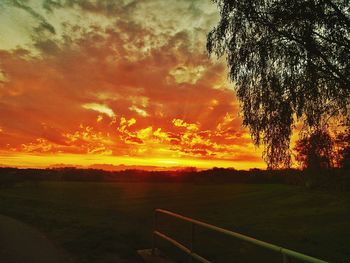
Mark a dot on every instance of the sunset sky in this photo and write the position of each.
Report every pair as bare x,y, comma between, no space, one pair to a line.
116,82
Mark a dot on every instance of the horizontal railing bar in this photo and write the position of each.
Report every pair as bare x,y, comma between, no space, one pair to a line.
174,242
297,255
275,248
181,246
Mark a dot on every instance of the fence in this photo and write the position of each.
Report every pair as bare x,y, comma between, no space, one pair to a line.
285,253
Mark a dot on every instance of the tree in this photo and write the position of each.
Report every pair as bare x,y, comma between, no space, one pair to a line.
289,61
342,142
345,161
315,152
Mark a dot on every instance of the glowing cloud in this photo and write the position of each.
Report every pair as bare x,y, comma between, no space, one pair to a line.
101,108
139,111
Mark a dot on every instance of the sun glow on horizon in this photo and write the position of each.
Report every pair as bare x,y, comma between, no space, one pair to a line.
77,160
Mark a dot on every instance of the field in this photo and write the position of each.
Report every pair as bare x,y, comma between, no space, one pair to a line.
108,222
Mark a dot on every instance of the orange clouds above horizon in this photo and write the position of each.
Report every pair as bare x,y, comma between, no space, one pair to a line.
116,82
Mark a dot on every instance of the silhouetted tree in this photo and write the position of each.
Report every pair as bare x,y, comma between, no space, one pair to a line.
342,142
315,152
288,59
345,161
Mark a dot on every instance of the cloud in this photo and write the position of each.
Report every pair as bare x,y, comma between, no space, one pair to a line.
139,111
101,108
43,22
138,84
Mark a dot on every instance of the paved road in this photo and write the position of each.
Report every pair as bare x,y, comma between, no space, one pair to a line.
20,243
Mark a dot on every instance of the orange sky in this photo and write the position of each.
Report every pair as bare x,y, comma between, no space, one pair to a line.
116,82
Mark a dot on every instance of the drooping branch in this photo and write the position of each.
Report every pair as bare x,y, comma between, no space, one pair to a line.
288,59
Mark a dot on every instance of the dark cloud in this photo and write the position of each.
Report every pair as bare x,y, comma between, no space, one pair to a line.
44,24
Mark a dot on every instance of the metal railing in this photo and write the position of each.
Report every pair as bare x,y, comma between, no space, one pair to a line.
285,253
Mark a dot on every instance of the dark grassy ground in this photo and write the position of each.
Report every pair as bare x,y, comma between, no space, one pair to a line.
108,222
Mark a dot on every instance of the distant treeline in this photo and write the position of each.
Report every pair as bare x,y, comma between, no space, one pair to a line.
338,179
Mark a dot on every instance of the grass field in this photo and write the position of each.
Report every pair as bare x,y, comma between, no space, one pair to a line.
108,222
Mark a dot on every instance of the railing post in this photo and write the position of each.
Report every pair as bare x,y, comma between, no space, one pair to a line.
154,238
285,258
192,240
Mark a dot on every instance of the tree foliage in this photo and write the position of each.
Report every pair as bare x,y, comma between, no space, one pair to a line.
289,60
315,152
342,142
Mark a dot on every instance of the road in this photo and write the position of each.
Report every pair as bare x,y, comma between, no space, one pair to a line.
21,243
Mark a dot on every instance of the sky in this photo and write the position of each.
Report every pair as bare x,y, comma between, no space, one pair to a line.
116,82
